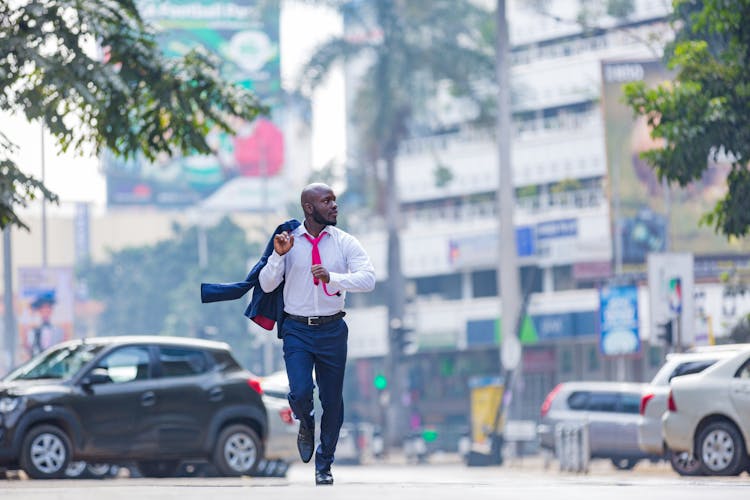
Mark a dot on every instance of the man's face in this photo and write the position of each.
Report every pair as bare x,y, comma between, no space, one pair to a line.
45,312
324,208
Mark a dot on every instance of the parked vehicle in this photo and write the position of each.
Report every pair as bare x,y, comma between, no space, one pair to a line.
84,470
610,409
654,404
152,400
281,448
709,415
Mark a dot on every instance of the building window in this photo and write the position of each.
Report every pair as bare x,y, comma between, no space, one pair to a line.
484,283
566,360
593,361
447,286
563,277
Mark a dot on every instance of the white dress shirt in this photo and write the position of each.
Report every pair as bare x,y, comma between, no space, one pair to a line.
348,266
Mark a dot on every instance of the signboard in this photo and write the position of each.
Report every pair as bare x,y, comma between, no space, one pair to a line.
671,294
647,213
618,312
244,35
486,394
46,309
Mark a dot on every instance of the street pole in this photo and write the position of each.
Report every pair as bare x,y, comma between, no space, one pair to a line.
509,284
9,317
508,280
44,210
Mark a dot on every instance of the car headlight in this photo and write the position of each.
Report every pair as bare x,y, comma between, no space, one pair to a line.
7,405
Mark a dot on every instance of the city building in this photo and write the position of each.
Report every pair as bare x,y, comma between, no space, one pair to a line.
563,217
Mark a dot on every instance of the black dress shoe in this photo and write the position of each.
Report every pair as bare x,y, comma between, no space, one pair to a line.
306,442
323,477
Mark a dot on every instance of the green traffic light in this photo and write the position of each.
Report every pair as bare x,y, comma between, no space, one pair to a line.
429,435
380,382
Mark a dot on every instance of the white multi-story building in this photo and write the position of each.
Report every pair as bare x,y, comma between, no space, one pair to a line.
562,215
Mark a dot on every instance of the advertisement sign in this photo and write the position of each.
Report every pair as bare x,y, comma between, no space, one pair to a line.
486,394
618,318
647,212
46,309
671,295
244,35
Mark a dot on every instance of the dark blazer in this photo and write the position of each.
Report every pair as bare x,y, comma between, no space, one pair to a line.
265,309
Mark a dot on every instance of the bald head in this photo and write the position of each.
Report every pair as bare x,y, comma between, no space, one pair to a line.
319,204
312,191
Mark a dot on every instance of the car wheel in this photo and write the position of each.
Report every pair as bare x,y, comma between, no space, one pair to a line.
101,471
684,463
75,469
158,468
238,451
624,463
45,452
721,449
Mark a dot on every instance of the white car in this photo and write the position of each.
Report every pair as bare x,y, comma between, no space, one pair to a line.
709,415
654,402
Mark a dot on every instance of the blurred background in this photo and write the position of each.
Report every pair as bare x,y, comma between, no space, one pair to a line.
408,139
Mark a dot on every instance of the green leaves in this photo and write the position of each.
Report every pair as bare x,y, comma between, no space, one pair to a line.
703,115
16,188
130,100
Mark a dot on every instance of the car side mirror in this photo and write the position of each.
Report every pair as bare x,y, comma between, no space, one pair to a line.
96,376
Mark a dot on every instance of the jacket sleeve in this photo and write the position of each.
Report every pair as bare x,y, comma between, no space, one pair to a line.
216,292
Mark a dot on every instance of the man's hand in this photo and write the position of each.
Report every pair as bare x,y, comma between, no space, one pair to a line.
283,242
320,272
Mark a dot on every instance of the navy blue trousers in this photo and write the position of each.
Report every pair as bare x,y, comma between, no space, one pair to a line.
323,349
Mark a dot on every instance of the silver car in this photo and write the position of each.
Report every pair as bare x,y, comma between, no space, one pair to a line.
611,411
282,426
654,404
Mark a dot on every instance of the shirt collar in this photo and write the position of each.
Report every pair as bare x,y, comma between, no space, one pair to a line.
303,230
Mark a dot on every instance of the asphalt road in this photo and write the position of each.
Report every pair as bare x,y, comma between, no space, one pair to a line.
403,481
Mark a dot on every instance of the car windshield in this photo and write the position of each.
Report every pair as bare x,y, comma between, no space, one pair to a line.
60,363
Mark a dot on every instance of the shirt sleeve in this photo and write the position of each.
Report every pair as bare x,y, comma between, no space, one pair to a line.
272,273
361,275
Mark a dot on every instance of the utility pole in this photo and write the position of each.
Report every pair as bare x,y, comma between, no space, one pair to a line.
509,284
508,281
9,316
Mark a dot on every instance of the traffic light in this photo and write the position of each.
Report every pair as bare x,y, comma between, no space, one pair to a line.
404,341
380,382
667,335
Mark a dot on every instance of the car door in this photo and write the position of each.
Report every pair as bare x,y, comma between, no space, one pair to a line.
740,394
116,414
601,411
626,421
188,391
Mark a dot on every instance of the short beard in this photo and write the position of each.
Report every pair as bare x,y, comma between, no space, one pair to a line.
320,220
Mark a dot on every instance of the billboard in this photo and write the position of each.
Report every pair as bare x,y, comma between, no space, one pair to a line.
618,311
244,35
652,219
46,308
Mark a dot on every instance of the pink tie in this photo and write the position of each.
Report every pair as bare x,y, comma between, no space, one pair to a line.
316,259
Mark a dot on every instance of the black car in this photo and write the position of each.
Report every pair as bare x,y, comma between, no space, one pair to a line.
152,400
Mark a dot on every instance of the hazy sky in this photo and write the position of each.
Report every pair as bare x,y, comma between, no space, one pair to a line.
78,179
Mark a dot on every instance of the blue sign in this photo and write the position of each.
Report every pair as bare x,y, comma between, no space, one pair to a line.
562,228
618,309
525,241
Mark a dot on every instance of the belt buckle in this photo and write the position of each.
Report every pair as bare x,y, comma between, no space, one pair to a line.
312,320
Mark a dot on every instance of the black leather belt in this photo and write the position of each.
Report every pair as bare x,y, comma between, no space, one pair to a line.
317,320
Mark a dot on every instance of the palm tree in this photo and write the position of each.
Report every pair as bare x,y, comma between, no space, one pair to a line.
409,48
